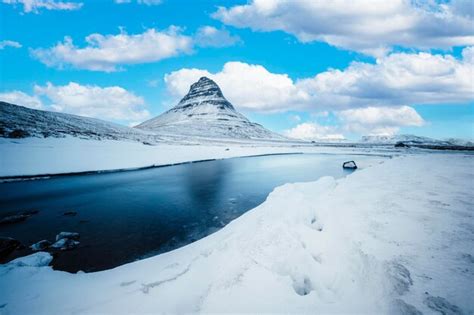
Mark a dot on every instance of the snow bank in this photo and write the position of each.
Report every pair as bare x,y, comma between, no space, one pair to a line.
39,156
396,237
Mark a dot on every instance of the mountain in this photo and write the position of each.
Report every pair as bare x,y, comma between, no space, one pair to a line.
21,122
406,139
205,112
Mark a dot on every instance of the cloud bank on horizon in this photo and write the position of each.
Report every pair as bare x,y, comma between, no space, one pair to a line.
403,57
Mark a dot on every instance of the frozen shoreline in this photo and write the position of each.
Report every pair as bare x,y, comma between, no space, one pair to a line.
34,157
395,237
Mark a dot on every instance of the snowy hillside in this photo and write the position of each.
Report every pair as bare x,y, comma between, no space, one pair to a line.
21,122
204,112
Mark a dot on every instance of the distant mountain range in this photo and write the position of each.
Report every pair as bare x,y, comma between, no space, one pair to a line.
414,140
203,113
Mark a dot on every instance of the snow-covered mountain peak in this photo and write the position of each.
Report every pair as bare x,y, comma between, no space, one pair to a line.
205,112
204,91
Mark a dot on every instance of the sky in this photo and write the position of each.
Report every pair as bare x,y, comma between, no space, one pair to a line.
308,69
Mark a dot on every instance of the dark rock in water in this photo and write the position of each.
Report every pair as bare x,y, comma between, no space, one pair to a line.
227,149
41,245
8,245
67,235
401,145
65,244
70,213
14,218
349,165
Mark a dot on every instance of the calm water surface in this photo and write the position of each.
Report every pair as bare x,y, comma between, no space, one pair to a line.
126,216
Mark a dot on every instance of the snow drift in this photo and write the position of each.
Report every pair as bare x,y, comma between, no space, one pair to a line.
393,238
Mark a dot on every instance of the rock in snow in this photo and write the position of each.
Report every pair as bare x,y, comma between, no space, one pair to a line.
68,235
350,165
41,245
205,112
65,244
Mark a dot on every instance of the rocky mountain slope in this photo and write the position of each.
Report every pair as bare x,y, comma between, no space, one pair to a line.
204,112
21,122
406,139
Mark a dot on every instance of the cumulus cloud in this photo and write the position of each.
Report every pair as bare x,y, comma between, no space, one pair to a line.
21,98
34,6
9,43
368,26
314,131
209,36
250,87
379,120
110,103
395,80
367,121
109,52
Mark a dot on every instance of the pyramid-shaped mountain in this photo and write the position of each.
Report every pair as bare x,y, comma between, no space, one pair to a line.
204,112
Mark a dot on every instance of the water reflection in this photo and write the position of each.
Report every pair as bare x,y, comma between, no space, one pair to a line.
126,216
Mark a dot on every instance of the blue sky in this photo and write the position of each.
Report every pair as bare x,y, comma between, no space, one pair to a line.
292,66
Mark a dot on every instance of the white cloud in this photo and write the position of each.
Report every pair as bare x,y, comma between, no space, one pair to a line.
369,26
20,98
9,43
109,103
379,120
209,36
395,80
107,53
146,2
250,87
366,121
314,131
33,6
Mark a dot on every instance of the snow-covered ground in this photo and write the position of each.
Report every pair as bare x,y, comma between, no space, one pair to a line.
395,237
39,156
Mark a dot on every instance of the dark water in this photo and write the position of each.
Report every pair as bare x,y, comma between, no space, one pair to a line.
126,216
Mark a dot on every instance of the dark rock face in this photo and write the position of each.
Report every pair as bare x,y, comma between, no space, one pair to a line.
8,245
349,165
205,89
18,133
401,145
